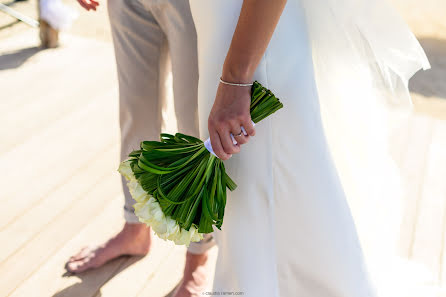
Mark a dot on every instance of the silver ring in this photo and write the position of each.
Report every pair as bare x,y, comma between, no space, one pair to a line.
240,134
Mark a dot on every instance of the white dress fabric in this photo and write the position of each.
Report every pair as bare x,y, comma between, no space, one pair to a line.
288,228
57,14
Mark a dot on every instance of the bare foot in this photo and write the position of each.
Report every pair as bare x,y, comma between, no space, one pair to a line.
134,239
195,276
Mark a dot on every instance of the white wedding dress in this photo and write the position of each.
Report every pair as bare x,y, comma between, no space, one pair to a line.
288,228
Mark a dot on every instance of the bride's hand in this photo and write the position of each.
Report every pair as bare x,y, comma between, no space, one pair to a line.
229,113
255,27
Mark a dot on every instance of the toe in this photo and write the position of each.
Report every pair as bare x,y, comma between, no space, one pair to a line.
79,266
84,252
72,266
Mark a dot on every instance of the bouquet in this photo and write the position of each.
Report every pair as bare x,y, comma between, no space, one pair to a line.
179,185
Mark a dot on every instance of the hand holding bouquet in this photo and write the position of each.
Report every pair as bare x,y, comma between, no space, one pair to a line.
179,184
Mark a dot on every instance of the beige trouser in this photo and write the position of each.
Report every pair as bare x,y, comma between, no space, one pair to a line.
149,36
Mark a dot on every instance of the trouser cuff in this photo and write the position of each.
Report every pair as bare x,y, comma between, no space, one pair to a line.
130,217
202,246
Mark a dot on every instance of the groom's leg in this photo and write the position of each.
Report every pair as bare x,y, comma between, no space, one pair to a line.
140,48
175,19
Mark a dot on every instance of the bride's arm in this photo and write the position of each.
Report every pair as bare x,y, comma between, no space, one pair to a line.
255,27
256,24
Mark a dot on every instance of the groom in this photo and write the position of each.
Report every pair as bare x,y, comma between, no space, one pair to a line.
147,35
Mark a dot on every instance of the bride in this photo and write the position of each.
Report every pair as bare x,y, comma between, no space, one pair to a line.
310,175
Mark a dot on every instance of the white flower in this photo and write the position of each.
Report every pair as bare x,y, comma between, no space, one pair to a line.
137,191
142,211
157,213
148,210
159,227
197,236
173,229
186,237
126,170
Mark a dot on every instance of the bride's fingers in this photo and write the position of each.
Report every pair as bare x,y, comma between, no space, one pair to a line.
237,133
241,139
239,136
216,145
226,141
249,127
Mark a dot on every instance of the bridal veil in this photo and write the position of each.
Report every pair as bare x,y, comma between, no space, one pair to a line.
364,55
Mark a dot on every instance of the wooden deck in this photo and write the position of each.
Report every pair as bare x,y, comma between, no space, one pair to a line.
60,189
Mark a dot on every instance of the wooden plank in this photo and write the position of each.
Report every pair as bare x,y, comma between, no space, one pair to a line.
30,257
17,94
413,170
170,274
49,158
35,219
32,107
139,273
51,107
49,64
440,138
166,277
399,135
51,279
429,232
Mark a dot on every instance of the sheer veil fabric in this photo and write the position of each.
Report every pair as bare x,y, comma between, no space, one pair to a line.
364,55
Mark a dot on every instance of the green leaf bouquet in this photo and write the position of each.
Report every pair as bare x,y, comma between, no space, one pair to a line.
179,185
